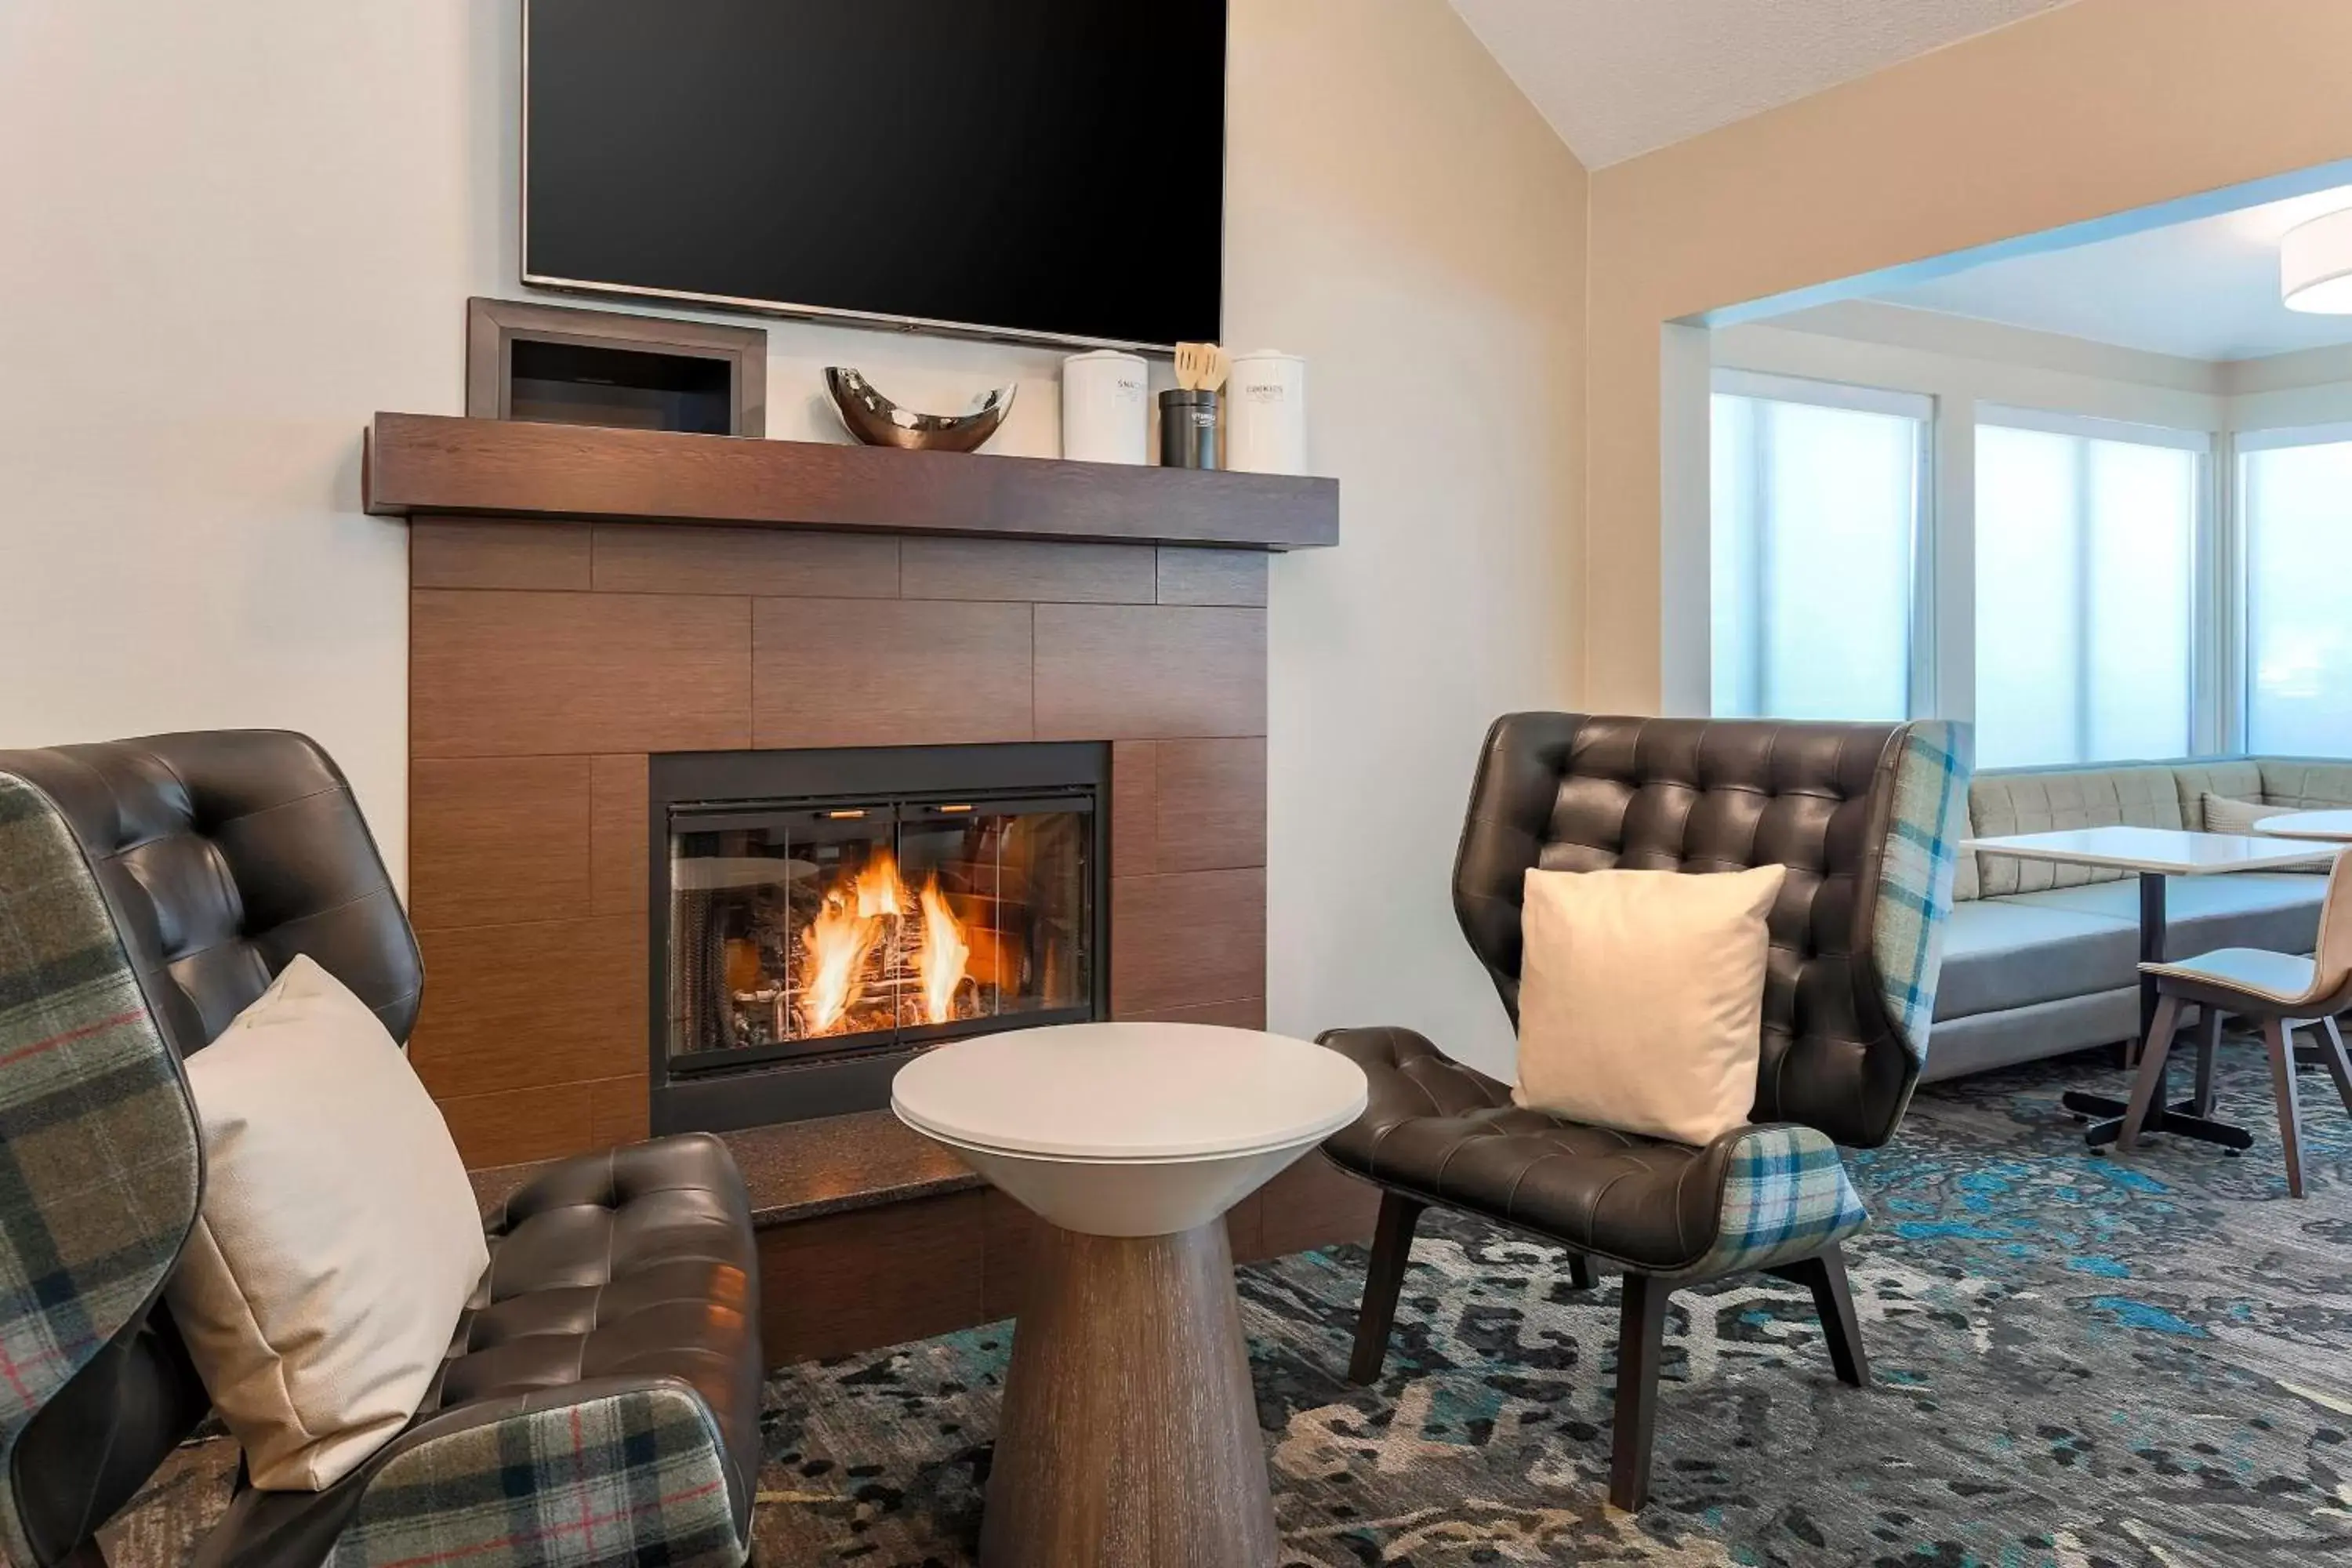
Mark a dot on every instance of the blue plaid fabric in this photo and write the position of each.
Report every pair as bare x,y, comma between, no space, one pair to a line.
99,1161
1785,1196
1915,875
634,1476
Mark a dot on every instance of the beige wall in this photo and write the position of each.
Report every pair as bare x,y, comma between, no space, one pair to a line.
2098,108
1400,215
239,229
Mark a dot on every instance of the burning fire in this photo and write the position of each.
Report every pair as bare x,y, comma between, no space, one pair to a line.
942,958
857,917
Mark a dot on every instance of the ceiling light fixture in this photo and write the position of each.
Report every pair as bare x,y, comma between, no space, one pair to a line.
2315,266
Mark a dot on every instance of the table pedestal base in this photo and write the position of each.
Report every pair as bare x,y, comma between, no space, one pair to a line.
2183,1119
1130,1435
2180,1118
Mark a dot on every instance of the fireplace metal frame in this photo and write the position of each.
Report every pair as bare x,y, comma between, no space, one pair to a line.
770,1086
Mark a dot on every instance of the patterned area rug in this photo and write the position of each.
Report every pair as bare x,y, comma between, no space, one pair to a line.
2081,1362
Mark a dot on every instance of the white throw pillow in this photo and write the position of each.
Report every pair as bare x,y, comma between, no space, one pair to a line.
339,1241
1641,997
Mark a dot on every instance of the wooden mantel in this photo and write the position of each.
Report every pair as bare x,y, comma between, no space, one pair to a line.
419,465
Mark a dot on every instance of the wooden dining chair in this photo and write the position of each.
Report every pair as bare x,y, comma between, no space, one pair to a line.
2283,992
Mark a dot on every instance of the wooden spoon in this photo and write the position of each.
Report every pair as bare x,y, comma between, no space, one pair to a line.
1221,365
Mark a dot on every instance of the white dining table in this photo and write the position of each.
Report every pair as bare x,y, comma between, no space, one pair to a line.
2153,854
2330,827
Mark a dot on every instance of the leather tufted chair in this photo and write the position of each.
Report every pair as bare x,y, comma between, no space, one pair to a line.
600,1399
1865,817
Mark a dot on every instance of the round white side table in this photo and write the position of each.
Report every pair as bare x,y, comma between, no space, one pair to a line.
1130,1432
2333,826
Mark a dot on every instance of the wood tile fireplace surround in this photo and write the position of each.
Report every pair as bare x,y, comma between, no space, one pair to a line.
552,653
548,660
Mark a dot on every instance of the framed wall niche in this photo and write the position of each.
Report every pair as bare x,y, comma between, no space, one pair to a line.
561,365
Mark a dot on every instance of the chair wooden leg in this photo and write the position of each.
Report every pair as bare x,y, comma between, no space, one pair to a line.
1641,1345
1384,1279
2339,1065
1579,1272
2282,1053
2209,1048
2151,1069
1824,1275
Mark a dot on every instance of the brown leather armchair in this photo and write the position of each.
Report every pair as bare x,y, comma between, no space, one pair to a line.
599,1401
1865,817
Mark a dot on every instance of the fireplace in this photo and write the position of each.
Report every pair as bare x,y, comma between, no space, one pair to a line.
820,916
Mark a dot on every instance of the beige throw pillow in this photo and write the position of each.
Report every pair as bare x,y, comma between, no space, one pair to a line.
2225,814
339,1240
1641,997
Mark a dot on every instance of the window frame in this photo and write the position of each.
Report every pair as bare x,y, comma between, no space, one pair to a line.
2212,567
1921,612
2237,633
1942,613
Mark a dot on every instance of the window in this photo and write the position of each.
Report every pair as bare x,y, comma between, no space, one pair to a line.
2295,516
1816,501
2086,548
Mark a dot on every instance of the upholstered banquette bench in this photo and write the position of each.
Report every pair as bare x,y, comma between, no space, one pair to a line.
2041,959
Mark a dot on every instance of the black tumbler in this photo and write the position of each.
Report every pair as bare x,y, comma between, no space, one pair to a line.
1188,429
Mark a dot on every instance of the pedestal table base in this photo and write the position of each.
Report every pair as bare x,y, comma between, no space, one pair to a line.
1130,1435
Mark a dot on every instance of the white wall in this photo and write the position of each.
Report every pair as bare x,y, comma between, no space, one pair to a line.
235,231
239,229
2310,388
1949,356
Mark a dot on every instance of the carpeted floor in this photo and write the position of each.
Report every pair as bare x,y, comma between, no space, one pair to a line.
2080,1361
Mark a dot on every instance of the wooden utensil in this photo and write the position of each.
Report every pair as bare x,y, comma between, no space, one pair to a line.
1221,365
1193,363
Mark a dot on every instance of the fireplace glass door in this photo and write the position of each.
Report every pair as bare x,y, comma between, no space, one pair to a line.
850,924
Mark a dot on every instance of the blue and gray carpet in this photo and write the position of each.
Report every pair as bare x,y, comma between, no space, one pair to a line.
2081,1362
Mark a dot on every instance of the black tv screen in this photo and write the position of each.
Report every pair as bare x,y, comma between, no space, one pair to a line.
1018,168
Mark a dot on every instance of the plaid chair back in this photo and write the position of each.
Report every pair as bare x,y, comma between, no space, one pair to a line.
100,1166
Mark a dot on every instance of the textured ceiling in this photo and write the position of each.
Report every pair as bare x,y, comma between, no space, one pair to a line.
1618,78
2207,289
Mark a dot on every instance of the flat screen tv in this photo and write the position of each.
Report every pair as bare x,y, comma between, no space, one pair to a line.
1045,170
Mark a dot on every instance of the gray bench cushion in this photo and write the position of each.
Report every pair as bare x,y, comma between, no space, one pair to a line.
2275,911
2233,778
2030,948
1989,1041
2305,786
1965,886
2001,805
2016,951
2035,800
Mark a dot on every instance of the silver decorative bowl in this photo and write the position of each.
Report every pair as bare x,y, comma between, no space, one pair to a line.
878,422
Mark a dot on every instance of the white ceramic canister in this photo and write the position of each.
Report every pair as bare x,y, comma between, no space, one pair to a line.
1265,414
1106,407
